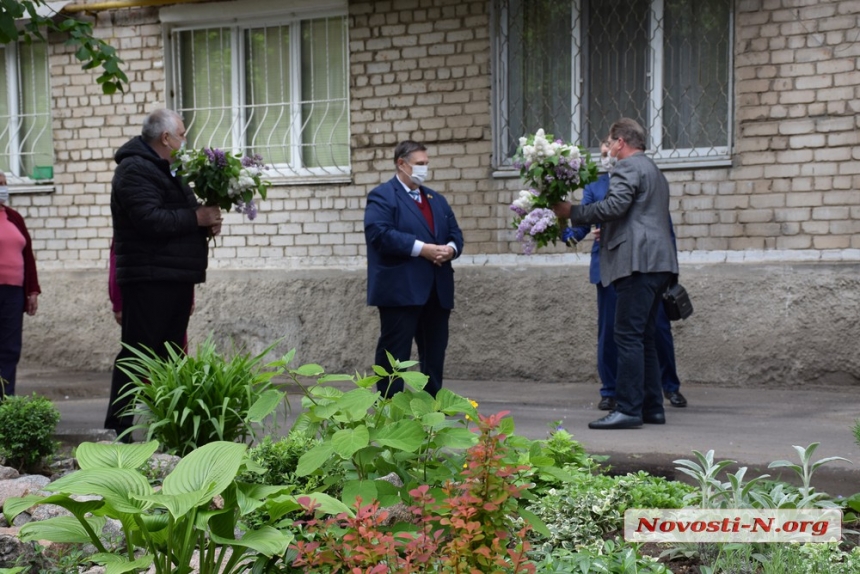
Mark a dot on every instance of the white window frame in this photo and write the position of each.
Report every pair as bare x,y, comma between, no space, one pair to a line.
681,158
237,17
12,171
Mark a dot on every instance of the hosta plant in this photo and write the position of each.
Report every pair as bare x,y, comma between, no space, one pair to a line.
163,529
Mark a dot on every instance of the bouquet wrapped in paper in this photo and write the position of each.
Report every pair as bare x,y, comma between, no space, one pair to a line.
552,170
230,181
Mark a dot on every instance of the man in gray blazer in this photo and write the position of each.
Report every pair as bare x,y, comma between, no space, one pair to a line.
637,257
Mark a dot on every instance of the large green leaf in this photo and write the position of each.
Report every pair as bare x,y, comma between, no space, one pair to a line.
346,442
179,504
15,506
119,564
211,467
354,404
451,403
355,489
249,497
265,405
131,456
265,540
63,529
314,459
407,435
456,438
281,505
414,379
309,370
121,488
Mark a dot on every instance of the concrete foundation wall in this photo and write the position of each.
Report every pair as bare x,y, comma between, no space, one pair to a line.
781,324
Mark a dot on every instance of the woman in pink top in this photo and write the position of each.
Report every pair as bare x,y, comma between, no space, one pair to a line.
19,288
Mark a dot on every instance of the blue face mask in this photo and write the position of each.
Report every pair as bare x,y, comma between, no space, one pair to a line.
4,194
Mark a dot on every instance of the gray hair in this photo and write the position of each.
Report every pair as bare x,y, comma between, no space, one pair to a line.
630,131
158,122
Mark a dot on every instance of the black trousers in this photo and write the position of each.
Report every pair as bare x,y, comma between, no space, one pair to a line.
153,314
11,329
428,325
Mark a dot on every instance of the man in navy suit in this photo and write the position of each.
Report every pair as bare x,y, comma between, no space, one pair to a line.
607,353
412,236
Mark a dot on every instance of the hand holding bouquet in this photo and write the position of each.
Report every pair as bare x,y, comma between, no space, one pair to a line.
223,179
551,169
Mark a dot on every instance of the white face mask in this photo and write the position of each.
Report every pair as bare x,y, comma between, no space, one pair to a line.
419,174
606,163
4,194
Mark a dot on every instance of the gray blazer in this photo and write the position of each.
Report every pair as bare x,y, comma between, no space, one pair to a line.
636,232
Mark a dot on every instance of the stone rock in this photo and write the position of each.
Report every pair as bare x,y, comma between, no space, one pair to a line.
162,464
63,467
46,511
400,512
28,484
7,472
13,552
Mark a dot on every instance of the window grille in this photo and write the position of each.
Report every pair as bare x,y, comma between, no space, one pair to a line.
26,144
573,67
278,90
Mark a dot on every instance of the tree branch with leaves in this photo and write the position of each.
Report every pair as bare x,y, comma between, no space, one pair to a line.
92,51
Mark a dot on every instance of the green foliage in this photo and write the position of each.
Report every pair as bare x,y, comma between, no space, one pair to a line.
827,558
186,401
27,425
466,530
591,506
756,493
280,460
88,49
162,528
411,434
608,556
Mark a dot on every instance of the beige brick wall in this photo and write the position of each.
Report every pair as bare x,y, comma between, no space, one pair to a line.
421,69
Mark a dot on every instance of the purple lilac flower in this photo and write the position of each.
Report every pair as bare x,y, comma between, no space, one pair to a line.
220,158
255,160
518,210
210,155
248,209
535,222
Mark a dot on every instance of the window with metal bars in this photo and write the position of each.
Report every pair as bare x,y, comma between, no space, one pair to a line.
276,88
573,67
26,144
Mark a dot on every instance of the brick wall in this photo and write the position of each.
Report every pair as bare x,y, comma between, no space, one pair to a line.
421,69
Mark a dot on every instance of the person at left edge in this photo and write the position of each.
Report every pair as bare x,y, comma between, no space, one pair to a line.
412,236
160,235
19,288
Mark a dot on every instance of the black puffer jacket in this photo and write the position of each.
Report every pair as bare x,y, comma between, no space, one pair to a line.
156,236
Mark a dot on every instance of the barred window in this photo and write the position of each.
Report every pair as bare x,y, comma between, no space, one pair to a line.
26,144
278,88
573,67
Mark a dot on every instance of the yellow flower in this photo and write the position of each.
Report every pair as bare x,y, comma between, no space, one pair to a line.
473,403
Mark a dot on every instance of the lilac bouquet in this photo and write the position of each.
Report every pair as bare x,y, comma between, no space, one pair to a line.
552,170
223,179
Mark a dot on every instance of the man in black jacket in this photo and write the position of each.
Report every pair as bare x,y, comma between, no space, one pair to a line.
160,234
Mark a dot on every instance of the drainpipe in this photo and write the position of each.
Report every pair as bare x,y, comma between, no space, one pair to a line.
116,4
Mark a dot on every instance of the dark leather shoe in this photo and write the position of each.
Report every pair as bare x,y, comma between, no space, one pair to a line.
676,399
606,404
654,419
616,420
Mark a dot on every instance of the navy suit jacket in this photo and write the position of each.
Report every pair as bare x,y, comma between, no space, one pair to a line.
392,223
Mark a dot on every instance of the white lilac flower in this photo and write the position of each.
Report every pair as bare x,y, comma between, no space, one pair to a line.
524,203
